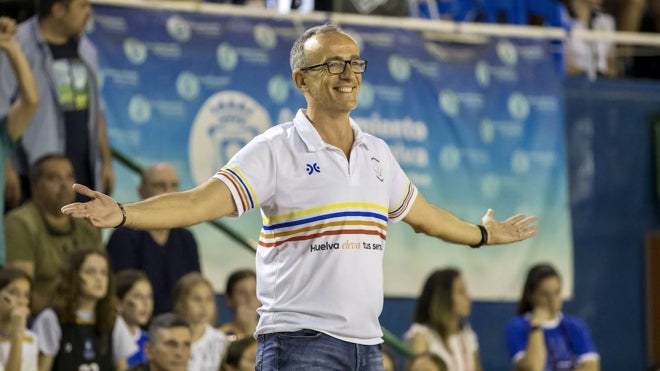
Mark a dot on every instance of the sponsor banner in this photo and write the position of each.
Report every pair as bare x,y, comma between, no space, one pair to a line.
475,126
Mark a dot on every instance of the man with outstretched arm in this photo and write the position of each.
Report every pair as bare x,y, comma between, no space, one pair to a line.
327,191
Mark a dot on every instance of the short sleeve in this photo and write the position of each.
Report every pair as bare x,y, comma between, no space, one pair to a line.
250,174
23,244
581,339
516,337
402,191
123,344
49,333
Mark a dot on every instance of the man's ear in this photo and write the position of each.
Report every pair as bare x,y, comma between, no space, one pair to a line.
299,79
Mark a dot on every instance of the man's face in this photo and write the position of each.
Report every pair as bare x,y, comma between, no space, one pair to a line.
324,91
159,179
170,350
54,189
74,16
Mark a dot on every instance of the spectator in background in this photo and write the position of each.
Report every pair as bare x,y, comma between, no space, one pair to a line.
426,362
585,57
241,298
18,345
39,236
541,337
136,304
16,120
241,355
165,255
69,119
388,361
440,325
194,301
81,331
168,348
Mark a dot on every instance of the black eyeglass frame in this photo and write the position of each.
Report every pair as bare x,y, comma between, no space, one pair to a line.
346,63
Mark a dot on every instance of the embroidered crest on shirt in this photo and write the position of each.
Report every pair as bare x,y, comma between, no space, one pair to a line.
377,168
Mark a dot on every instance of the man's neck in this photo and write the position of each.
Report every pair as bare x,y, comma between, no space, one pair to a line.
335,130
57,221
52,32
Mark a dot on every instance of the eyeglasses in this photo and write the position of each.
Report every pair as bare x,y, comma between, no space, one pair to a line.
337,67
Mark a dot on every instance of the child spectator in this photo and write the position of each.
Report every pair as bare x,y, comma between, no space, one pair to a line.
440,326
18,350
136,304
241,355
82,331
194,301
241,298
541,337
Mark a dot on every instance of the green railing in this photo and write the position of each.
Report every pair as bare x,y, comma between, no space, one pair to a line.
389,338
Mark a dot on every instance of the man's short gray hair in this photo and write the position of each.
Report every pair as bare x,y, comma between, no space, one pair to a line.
297,58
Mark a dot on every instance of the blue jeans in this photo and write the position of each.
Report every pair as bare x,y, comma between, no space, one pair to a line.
313,350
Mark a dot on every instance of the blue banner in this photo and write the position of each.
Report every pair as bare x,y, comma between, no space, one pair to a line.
475,125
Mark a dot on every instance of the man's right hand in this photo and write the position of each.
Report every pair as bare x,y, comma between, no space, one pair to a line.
101,211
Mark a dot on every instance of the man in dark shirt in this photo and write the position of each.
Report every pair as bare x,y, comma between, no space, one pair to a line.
163,254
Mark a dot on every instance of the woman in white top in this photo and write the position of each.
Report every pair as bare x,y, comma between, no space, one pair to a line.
18,350
194,301
81,332
440,325
589,57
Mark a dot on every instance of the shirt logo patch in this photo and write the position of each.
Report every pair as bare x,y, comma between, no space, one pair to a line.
378,169
311,168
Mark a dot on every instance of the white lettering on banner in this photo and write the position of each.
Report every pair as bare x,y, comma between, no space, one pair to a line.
122,77
212,81
111,23
257,56
206,28
165,50
471,100
405,128
504,73
543,102
172,108
389,93
430,69
410,156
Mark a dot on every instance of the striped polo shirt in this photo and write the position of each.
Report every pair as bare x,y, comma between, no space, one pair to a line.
319,260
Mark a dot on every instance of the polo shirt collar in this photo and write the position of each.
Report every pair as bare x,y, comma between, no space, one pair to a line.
313,140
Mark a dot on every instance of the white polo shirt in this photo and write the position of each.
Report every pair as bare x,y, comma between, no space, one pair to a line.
319,261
